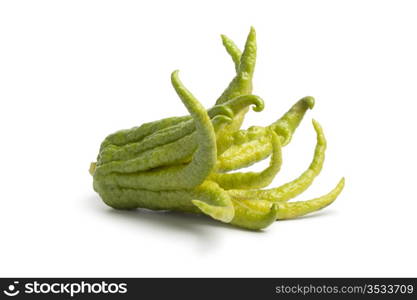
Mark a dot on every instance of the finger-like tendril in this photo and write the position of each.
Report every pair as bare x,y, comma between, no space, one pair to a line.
242,102
290,210
254,215
288,123
297,186
233,50
240,85
251,180
245,155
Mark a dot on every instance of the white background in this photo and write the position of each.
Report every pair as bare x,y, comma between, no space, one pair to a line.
72,72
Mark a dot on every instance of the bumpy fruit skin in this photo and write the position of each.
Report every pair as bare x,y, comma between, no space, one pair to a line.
184,163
